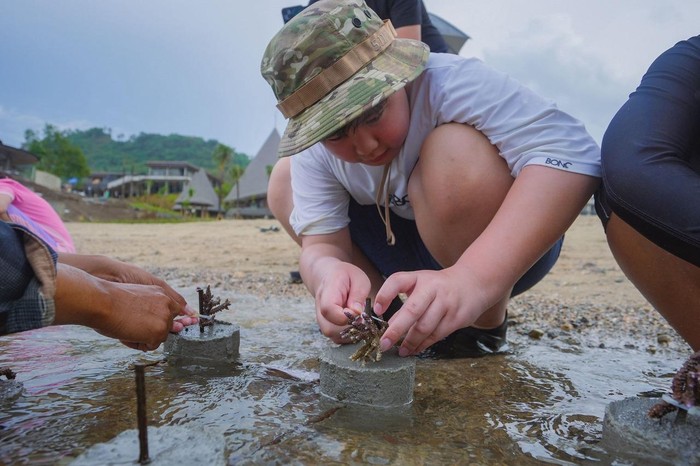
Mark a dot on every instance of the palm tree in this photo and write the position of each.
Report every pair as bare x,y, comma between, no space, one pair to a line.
222,156
236,172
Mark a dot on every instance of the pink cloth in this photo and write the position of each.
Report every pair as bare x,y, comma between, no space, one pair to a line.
35,213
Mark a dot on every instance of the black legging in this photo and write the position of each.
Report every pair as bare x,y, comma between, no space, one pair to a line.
651,155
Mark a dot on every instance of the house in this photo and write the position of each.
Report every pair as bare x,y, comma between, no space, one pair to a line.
13,160
198,196
249,194
20,164
162,177
98,181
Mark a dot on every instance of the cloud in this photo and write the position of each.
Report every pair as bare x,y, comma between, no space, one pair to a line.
547,55
13,124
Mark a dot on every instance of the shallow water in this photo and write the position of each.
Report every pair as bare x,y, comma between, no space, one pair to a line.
543,402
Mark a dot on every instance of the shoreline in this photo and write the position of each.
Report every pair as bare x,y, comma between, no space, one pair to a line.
585,299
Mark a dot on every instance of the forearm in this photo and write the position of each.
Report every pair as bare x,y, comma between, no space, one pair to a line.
409,32
138,315
97,265
81,298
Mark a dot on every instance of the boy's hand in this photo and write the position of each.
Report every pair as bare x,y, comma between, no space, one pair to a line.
343,288
439,302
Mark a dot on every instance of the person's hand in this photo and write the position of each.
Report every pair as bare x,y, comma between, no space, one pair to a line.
187,320
439,302
114,270
344,287
140,316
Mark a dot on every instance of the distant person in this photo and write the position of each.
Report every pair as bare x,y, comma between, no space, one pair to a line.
420,174
23,206
411,20
41,287
649,200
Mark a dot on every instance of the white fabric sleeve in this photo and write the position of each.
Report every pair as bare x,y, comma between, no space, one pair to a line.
525,127
320,201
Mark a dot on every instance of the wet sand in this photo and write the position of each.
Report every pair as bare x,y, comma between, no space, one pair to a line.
585,297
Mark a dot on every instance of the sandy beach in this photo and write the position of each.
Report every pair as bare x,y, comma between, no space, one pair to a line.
585,296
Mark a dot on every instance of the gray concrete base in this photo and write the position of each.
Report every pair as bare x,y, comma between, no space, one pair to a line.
364,418
387,383
218,344
10,390
167,445
629,431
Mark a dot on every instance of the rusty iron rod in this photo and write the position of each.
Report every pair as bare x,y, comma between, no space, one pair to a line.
141,413
200,292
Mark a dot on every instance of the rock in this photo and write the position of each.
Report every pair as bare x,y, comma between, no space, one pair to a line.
629,431
663,339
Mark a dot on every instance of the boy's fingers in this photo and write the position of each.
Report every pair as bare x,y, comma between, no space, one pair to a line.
400,324
395,284
416,320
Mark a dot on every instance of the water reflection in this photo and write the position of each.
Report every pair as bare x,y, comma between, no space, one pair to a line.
539,404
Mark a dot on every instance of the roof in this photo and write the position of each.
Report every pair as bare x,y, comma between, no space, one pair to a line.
171,164
17,156
253,183
203,194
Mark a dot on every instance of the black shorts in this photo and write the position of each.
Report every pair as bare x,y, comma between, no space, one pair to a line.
410,254
651,155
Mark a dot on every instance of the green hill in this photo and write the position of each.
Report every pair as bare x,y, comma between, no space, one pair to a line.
105,154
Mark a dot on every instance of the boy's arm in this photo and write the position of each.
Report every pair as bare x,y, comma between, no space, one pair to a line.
541,204
336,284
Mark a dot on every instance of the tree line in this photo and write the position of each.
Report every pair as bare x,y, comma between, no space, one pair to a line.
78,153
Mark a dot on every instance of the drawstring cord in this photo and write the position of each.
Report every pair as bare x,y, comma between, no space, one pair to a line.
384,190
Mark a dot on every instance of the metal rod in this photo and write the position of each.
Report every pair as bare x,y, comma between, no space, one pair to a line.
368,308
199,316
200,292
141,413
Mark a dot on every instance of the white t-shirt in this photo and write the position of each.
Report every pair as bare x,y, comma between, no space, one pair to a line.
526,128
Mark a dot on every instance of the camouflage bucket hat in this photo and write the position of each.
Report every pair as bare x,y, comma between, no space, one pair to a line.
332,62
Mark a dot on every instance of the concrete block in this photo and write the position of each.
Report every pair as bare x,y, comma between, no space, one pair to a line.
630,432
217,344
387,383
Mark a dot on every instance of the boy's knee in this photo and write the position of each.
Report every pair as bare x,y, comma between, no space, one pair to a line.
457,162
455,139
457,153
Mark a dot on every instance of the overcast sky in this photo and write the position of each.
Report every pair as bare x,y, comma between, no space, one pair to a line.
192,67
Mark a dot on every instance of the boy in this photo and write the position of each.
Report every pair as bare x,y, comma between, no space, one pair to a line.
475,179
